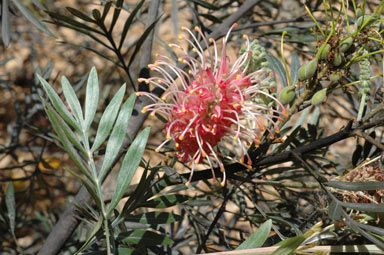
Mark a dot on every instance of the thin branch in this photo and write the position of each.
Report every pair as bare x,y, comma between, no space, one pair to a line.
370,139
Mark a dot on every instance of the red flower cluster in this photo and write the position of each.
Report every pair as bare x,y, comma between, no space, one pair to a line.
213,102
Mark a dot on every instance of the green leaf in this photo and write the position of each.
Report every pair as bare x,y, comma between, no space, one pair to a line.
87,185
108,118
258,238
68,132
379,208
206,5
91,99
56,124
141,41
165,201
335,210
106,9
11,207
288,246
154,218
128,22
64,20
118,134
59,105
128,168
295,65
72,100
80,14
116,13
355,186
31,18
95,230
278,67
144,238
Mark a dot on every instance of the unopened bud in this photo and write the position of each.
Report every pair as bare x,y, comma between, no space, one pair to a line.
287,95
346,44
325,52
337,59
319,97
307,70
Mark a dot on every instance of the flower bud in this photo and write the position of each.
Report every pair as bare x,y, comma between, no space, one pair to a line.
319,97
334,76
287,95
337,59
307,70
346,44
325,52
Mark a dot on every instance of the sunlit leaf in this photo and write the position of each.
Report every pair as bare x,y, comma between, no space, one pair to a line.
91,99
128,168
144,237
117,136
108,118
258,238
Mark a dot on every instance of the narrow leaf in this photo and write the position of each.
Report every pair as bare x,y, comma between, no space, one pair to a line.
116,13
95,230
87,185
54,119
106,9
69,133
117,136
288,246
144,237
335,210
295,65
60,19
355,186
154,218
31,18
5,22
58,104
165,201
278,67
128,168
108,118
91,99
80,14
72,100
141,41
11,206
379,208
128,22
258,238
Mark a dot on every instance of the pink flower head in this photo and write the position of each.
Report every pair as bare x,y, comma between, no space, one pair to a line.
213,102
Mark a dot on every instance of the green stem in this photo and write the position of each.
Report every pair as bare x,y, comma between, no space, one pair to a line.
361,108
314,20
283,58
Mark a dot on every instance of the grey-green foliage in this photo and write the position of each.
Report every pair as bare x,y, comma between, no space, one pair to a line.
365,75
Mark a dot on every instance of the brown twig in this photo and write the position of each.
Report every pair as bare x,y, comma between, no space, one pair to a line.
370,139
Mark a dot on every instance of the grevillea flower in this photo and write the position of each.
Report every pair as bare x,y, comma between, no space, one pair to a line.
212,101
